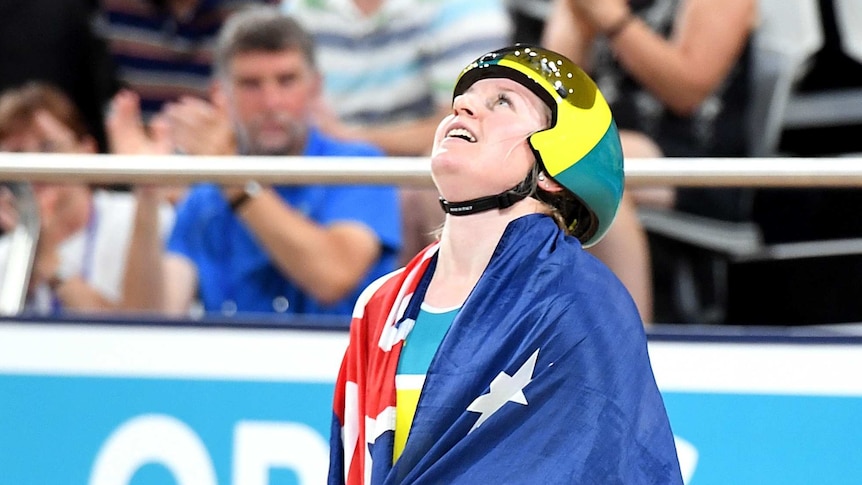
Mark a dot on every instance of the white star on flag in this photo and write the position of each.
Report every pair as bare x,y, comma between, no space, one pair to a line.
504,388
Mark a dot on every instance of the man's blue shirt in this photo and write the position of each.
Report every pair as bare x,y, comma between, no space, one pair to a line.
235,273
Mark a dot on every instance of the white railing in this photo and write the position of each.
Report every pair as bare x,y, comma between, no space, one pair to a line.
173,169
19,169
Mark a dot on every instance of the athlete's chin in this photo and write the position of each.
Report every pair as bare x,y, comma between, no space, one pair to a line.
446,160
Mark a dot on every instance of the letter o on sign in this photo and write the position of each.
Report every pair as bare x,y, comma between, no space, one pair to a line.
148,439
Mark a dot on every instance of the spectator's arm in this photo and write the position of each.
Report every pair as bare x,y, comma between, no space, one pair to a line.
77,295
325,262
708,38
153,280
568,34
143,281
180,283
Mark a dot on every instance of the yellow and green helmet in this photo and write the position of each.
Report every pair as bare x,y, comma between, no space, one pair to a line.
581,148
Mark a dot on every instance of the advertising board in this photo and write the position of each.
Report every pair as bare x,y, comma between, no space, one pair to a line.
134,404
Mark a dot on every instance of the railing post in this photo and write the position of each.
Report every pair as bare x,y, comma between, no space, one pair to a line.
22,251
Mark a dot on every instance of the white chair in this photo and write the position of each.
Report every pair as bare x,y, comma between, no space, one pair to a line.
848,15
784,45
789,34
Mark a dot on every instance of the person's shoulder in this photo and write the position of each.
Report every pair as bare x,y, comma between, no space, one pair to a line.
376,292
585,279
353,149
200,196
588,272
573,295
203,191
325,145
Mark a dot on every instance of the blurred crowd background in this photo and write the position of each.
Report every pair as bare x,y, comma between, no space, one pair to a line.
685,78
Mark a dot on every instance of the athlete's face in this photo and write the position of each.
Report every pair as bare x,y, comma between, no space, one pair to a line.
481,148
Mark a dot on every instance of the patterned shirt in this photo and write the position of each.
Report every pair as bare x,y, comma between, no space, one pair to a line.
399,63
162,57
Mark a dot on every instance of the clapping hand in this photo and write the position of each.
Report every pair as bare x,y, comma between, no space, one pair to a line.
127,134
198,127
602,14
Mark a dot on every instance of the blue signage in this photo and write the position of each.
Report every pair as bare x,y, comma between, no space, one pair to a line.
769,439
105,404
83,430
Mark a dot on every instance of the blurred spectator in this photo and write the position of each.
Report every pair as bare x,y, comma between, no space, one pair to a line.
673,70
53,41
674,73
814,289
389,69
163,48
85,233
789,215
528,19
821,77
285,249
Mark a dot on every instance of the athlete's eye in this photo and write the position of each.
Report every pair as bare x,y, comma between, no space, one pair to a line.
503,100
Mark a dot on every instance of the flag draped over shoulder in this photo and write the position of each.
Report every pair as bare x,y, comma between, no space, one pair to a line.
543,377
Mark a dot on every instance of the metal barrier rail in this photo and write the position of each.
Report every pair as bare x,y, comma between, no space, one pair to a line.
22,251
177,169
19,169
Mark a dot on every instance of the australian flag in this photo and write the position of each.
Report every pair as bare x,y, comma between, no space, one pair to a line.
544,377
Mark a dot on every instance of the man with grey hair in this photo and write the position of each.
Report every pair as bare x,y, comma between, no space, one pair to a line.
258,53
288,249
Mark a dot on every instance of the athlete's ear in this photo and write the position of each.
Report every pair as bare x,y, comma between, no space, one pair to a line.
548,184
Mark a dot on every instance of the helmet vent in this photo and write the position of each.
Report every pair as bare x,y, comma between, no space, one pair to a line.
561,90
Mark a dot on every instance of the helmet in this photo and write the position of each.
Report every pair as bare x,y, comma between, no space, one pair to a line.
581,149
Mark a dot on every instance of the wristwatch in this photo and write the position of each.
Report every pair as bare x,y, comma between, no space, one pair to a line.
251,190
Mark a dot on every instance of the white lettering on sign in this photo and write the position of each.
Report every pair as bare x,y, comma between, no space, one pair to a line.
153,438
259,446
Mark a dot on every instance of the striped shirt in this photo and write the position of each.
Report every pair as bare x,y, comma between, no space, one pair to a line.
399,63
160,56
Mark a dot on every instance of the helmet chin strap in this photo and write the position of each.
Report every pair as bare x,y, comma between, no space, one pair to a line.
491,202
482,204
